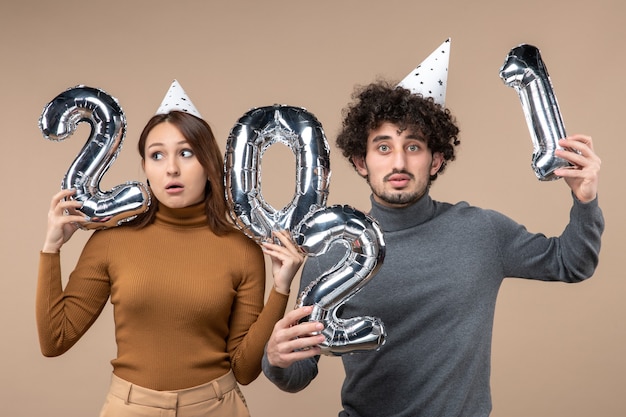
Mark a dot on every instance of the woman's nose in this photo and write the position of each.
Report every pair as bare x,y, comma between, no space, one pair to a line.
172,168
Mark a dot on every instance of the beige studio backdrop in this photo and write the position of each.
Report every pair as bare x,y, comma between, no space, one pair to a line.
558,350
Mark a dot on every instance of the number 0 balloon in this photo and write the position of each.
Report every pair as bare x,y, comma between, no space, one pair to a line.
313,225
251,136
59,120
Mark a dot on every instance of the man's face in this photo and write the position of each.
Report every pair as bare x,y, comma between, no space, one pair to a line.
398,165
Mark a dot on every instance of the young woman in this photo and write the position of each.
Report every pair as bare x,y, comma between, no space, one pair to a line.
186,286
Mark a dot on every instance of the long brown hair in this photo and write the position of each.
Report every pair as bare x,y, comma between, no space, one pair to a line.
200,137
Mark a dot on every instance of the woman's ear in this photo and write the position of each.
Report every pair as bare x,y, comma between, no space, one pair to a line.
143,168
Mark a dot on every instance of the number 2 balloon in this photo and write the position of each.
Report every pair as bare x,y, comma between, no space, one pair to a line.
59,120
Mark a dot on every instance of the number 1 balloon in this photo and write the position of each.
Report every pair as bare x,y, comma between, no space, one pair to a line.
525,71
59,120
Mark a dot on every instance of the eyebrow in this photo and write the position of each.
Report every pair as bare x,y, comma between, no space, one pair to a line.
182,142
380,137
413,136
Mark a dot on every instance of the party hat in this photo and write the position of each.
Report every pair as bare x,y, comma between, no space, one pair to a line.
176,99
430,77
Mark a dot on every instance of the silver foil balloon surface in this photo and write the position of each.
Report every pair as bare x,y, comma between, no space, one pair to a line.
256,131
59,120
525,71
313,226
365,252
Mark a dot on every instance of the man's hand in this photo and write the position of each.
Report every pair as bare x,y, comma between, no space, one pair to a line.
582,177
292,341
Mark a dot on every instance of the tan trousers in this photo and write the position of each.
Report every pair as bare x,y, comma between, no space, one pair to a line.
218,398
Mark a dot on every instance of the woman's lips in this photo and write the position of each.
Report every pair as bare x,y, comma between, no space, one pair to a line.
174,188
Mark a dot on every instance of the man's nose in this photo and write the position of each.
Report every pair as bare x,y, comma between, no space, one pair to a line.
399,159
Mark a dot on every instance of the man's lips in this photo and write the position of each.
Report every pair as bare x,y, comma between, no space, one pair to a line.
398,180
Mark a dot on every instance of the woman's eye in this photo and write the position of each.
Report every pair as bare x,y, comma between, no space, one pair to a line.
187,153
156,156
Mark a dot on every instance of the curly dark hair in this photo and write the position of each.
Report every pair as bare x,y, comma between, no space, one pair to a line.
381,102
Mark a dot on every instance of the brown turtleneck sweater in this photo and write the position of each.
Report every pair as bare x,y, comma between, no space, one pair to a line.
188,305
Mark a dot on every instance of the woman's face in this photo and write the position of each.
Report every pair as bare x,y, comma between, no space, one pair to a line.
176,177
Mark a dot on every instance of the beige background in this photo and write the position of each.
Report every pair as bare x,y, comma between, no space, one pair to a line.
558,349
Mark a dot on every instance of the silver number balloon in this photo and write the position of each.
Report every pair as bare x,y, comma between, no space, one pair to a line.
313,225
525,71
251,136
365,246
59,120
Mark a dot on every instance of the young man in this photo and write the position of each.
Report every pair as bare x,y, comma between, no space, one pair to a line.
436,290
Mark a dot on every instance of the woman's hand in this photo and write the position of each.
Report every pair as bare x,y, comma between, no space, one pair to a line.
61,226
286,260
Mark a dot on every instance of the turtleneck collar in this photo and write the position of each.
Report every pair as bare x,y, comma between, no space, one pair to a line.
192,216
394,219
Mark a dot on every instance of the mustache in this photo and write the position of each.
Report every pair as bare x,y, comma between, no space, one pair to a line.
398,171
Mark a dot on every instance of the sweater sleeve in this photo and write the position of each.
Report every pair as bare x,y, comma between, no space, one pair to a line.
300,374
252,322
64,315
571,257
293,379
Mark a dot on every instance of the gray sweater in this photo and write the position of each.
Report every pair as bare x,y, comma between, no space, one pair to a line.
436,294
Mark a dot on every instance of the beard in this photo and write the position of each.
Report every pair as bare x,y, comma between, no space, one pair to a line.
398,198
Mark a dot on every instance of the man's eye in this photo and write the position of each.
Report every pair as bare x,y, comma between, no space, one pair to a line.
383,148
413,148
